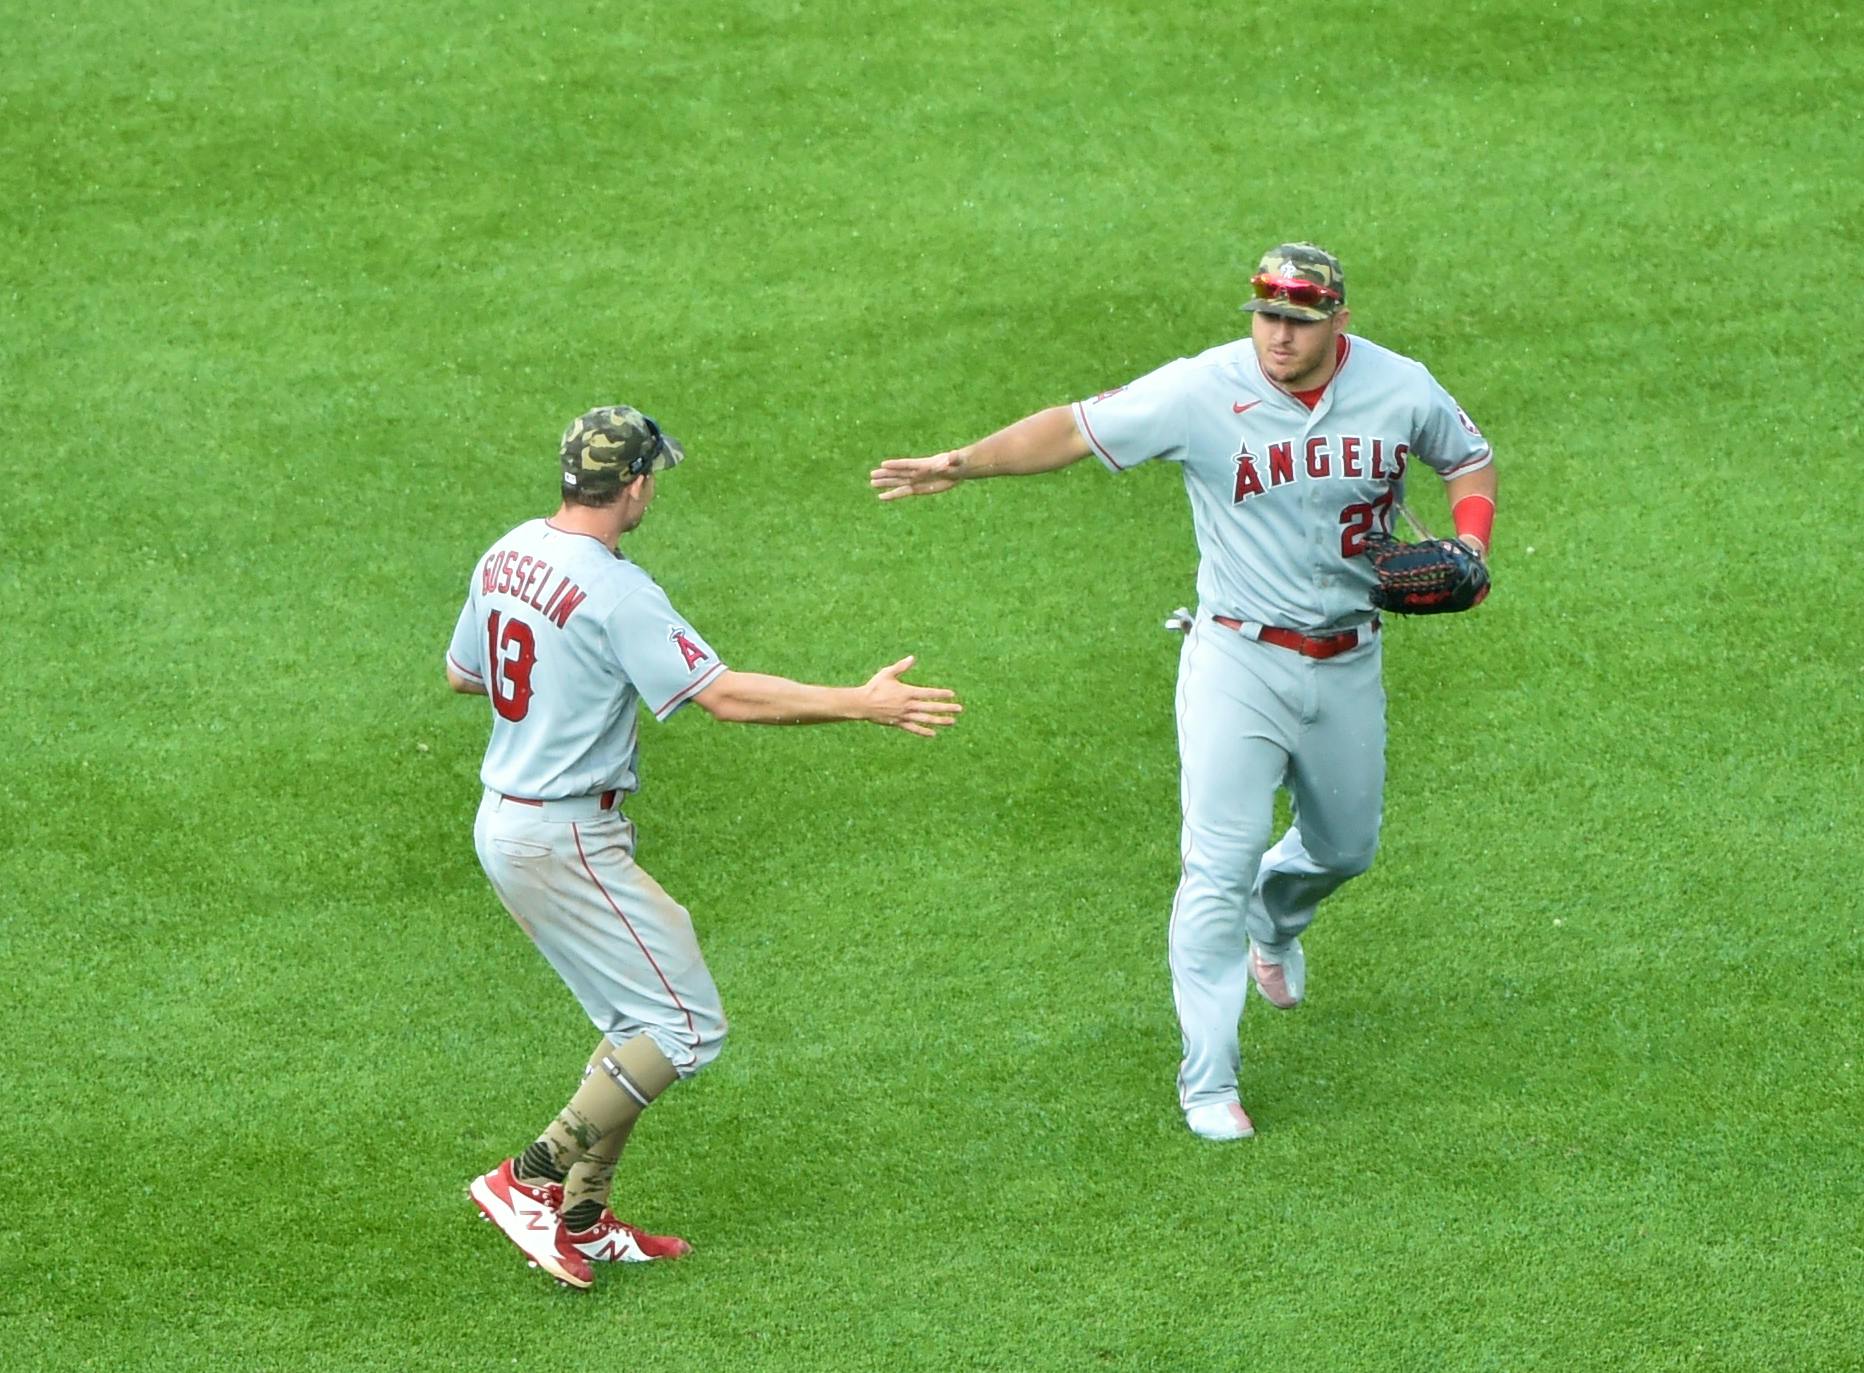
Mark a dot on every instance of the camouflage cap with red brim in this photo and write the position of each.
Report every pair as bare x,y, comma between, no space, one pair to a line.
1298,281
613,445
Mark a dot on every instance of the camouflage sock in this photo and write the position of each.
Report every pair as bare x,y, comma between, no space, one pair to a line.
537,1165
586,1189
616,1087
583,1215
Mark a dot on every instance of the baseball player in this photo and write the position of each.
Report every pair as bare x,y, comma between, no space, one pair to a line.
1294,444
565,638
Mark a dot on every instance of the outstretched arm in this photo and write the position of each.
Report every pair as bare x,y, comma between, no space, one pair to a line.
1042,442
755,698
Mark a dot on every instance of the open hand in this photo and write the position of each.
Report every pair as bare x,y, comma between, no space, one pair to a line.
898,477
902,705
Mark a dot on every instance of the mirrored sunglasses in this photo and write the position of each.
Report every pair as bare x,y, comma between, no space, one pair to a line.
1295,291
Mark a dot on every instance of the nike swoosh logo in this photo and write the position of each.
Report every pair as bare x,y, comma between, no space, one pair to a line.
1238,409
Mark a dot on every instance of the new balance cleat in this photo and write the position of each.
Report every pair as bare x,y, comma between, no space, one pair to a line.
530,1221
615,1241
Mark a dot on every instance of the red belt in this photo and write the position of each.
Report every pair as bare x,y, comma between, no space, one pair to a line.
607,800
1326,646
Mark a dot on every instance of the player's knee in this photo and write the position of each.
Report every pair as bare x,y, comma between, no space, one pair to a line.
709,1047
707,1039
1343,860
1228,861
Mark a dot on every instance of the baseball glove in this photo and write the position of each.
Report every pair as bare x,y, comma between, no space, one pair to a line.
1431,578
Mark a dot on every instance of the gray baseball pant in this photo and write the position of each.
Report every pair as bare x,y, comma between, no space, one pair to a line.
624,947
1251,717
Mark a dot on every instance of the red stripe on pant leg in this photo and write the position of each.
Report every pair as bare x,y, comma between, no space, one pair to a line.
1184,864
1171,938
692,1029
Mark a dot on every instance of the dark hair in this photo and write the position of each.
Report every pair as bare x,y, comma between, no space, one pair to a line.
573,495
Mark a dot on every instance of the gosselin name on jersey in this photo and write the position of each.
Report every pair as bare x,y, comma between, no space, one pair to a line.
525,577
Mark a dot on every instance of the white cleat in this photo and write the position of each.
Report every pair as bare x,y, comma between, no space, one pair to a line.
1180,621
1220,1120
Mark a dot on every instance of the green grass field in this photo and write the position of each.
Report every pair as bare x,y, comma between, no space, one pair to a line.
297,299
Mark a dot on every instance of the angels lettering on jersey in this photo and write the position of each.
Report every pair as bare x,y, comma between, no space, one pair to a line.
1319,457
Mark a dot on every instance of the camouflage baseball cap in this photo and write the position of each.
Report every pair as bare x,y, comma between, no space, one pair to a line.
613,445
1298,281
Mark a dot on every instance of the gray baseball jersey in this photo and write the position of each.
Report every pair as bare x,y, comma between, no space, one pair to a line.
567,637
1282,497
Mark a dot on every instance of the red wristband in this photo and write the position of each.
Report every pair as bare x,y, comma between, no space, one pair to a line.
1475,516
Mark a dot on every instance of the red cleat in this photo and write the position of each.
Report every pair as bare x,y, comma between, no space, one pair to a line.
528,1216
615,1241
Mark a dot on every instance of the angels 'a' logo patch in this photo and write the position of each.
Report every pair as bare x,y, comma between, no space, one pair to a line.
689,650
1467,423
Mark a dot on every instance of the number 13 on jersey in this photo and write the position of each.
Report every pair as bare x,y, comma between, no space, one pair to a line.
511,650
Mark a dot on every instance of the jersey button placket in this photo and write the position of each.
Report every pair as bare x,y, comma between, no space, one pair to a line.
1329,607
1316,499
